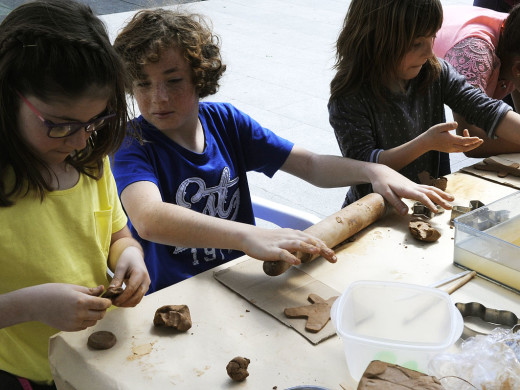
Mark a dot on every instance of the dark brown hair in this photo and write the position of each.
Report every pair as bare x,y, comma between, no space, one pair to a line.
376,36
150,32
509,42
55,50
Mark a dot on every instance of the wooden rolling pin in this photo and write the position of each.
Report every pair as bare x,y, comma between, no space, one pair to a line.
336,228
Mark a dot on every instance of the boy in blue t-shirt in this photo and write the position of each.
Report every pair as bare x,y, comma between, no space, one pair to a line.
184,186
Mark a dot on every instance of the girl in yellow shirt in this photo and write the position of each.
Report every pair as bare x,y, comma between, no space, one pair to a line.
62,111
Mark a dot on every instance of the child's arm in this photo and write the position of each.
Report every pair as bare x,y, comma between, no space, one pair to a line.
437,138
489,147
63,306
170,224
125,259
335,171
509,128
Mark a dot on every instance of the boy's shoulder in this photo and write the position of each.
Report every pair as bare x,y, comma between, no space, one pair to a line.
225,112
212,107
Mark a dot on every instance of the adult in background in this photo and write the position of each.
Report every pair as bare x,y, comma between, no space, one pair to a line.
484,46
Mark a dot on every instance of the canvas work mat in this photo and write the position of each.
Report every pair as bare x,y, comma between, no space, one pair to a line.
508,161
273,294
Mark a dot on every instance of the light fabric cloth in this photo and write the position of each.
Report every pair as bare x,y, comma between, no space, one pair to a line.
64,239
468,40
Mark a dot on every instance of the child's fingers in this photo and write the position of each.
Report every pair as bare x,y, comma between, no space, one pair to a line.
288,257
95,291
444,127
317,246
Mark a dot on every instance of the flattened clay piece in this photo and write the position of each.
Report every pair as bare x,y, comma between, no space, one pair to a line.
426,178
318,313
102,339
112,293
499,165
423,231
237,368
174,316
381,375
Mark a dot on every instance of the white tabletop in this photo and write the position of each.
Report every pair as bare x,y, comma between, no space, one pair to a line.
225,325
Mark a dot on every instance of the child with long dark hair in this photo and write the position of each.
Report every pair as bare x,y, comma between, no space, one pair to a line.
388,94
63,110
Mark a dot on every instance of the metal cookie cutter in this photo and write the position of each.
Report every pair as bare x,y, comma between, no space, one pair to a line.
457,211
420,210
489,319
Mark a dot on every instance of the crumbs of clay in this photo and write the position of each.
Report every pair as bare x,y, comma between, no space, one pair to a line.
237,368
102,340
174,316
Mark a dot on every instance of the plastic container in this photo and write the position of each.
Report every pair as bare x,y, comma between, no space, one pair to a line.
398,323
487,240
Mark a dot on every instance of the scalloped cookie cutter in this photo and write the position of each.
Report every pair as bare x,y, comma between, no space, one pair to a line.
492,317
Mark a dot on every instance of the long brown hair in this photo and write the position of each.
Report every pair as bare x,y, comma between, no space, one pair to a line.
55,49
375,37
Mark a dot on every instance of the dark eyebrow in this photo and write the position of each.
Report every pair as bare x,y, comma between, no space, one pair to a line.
171,70
144,77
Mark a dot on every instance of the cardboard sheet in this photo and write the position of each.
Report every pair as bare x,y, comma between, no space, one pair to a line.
509,180
274,294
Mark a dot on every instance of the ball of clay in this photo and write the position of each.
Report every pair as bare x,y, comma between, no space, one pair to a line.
174,316
237,368
423,231
102,340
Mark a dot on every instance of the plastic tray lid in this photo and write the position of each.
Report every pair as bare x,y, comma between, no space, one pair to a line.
397,314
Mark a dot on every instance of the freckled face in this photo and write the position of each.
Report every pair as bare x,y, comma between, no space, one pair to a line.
166,95
54,151
415,58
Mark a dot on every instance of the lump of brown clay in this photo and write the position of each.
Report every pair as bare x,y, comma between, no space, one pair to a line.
423,231
237,368
112,293
101,340
174,316
381,375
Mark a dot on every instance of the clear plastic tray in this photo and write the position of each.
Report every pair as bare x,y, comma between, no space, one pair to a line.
398,323
487,240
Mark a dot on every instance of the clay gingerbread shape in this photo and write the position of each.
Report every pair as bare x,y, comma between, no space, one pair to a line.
318,313
500,166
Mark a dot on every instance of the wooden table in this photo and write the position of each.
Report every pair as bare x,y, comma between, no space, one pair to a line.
225,325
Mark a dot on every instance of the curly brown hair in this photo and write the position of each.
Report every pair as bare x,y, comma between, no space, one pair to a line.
150,32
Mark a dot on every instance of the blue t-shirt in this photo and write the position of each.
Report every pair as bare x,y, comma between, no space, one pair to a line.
213,182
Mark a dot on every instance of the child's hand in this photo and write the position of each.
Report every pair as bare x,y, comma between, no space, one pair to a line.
439,138
394,186
281,244
130,269
68,307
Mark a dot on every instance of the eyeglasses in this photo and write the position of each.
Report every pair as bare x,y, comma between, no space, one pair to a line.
60,130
